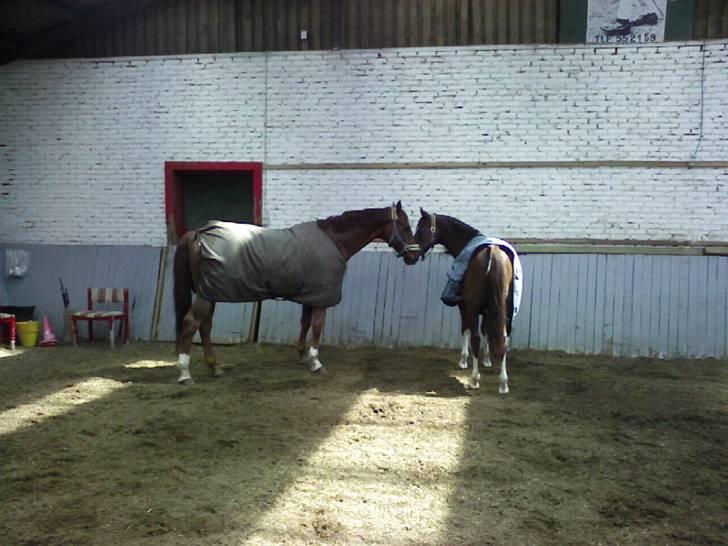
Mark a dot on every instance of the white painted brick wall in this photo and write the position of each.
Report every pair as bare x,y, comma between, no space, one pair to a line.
83,143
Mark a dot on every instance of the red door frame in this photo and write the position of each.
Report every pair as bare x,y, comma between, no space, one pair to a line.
174,196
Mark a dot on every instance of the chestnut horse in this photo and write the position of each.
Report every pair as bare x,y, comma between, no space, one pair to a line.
487,292
337,238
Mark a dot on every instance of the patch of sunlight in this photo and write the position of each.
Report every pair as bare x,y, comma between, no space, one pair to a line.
149,364
385,475
57,403
7,352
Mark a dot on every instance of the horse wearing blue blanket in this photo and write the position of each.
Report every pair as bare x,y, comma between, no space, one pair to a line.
485,283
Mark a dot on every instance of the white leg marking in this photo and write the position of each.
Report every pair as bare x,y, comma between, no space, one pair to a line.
486,354
183,363
314,359
463,364
475,377
503,387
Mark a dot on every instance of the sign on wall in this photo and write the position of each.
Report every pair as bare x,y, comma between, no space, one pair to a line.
626,21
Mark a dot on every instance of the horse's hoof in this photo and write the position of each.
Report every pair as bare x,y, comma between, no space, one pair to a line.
320,370
463,365
503,389
216,372
188,381
474,386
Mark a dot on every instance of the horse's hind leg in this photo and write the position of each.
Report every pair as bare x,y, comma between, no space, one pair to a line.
475,351
205,335
318,319
199,311
498,344
305,325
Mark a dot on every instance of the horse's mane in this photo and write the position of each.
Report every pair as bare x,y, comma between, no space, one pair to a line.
351,219
459,225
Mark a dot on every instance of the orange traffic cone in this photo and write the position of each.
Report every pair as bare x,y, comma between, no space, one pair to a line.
48,339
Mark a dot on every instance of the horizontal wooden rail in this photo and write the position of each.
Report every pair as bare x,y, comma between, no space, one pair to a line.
638,164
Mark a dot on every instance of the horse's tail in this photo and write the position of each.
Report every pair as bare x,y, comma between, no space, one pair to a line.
183,284
490,259
498,281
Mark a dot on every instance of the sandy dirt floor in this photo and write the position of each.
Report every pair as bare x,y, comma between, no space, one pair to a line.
388,447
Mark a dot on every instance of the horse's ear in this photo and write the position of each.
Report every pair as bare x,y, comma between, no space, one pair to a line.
399,206
423,212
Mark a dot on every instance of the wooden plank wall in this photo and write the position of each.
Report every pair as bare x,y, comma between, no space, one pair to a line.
622,305
625,305
216,26
83,266
710,19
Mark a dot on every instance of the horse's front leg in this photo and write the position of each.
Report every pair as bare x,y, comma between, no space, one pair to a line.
199,310
468,324
318,317
305,325
205,334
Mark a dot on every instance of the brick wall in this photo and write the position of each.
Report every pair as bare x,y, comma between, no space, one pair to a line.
83,143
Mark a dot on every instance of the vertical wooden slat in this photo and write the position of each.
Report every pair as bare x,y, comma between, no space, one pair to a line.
526,22
244,25
212,31
350,18
514,15
227,26
293,26
401,31
138,33
463,16
427,23
502,30
439,32
258,26
413,24
191,28
364,22
203,26
653,312
388,20
337,23
552,21
490,23
99,43
304,22
715,13
326,24
477,15
269,29
539,18
315,18
700,19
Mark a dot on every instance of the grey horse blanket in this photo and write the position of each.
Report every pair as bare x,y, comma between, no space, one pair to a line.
243,262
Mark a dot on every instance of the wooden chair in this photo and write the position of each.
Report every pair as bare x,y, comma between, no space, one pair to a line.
104,296
7,318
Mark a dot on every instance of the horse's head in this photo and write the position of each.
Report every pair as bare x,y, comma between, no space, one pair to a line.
398,235
426,234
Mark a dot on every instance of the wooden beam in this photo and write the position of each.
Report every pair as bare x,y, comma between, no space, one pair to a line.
445,165
50,40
